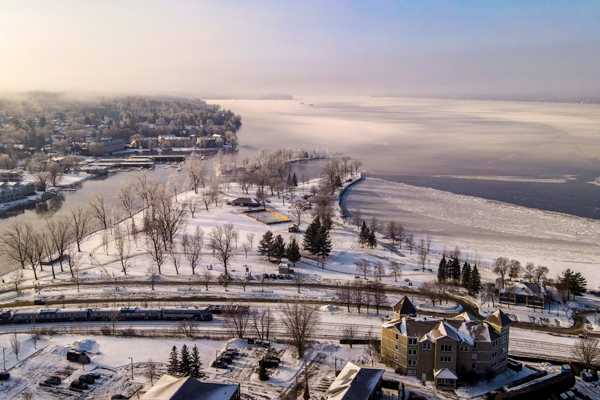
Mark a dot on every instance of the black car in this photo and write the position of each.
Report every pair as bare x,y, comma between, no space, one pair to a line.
232,351
280,276
288,277
94,375
225,358
265,276
273,358
219,364
4,376
39,302
273,276
79,384
52,381
269,363
118,396
87,379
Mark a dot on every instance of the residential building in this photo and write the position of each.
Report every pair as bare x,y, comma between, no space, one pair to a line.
442,349
145,142
170,387
529,293
170,141
356,383
11,175
11,191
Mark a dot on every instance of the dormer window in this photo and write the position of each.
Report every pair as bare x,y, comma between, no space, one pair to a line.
426,346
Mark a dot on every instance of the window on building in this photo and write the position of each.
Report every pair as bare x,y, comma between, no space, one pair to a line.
446,347
412,352
474,356
473,366
445,359
396,347
474,345
495,344
396,336
494,354
494,364
463,348
412,362
396,357
426,346
412,341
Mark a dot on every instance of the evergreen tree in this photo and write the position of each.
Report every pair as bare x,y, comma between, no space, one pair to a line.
185,361
292,252
363,236
574,283
474,281
289,181
372,240
294,180
196,364
442,270
454,269
310,236
278,248
466,275
264,246
323,242
173,366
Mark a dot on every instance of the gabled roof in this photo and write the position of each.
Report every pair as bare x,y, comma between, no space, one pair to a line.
465,316
354,383
405,307
444,330
498,320
445,373
171,388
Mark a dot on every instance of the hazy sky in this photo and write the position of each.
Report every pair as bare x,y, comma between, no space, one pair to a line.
298,47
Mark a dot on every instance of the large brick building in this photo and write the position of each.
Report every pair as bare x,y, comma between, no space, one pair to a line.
442,349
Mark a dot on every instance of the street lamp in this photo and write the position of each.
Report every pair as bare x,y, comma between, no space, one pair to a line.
4,356
131,367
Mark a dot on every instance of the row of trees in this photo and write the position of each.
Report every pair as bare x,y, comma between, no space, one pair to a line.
450,272
185,363
513,269
362,293
276,249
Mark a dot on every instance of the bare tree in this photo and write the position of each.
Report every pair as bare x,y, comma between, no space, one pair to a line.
222,239
297,210
299,280
356,164
60,233
175,185
250,239
123,250
99,208
344,294
378,269
193,205
175,257
359,294
73,261
529,271
15,344
147,189
586,352
16,278
247,247
243,280
331,173
428,240
423,254
377,294
35,338
357,218
262,195
81,221
206,277
126,197
396,269
187,328
196,172
395,231
154,240
349,333
299,321
501,267
540,272
410,242
363,266
429,289
261,322
152,274
192,247
151,371
15,241
236,321
514,269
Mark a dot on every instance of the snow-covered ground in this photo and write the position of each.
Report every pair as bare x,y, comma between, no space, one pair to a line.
485,229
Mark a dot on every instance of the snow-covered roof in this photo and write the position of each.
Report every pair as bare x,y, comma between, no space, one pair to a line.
498,320
465,316
445,373
405,307
354,383
171,388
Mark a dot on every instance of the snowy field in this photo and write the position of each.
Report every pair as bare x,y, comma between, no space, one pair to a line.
485,229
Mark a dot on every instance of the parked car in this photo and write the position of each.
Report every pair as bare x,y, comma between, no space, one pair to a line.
78,384
219,364
269,363
273,276
95,375
280,276
225,358
233,351
288,277
273,358
4,376
52,381
78,357
265,276
263,343
118,396
87,379
39,302
231,354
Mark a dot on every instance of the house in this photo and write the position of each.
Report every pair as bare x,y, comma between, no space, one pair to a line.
245,202
187,388
529,293
11,175
444,349
11,191
356,383
293,228
285,268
